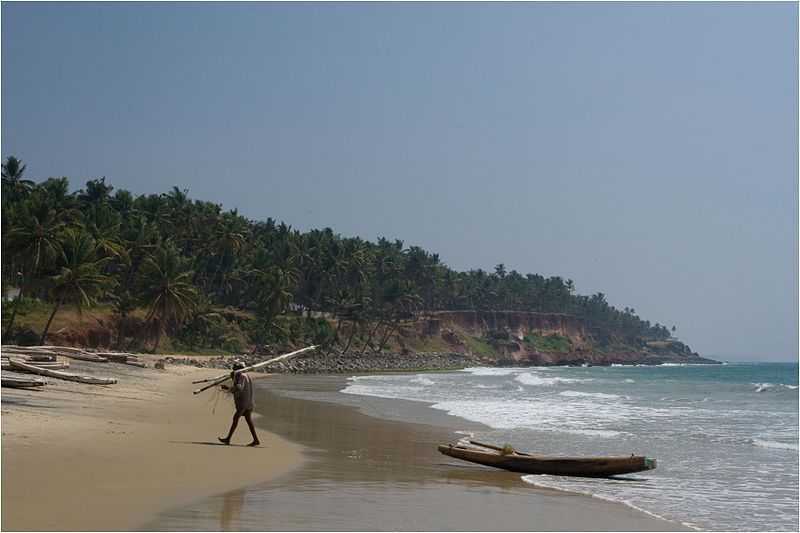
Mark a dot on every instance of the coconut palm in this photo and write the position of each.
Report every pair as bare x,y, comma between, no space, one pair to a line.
79,279
34,243
274,290
13,183
167,290
103,223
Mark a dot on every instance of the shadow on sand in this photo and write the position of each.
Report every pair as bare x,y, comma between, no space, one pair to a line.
209,443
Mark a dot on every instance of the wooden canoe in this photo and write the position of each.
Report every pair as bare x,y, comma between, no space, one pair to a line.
525,463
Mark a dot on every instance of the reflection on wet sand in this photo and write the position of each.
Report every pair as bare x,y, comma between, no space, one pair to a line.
368,473
231,509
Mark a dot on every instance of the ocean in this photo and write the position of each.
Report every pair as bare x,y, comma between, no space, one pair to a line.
725,436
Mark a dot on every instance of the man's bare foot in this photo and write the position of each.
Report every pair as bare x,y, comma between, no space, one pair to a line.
254,443
224,440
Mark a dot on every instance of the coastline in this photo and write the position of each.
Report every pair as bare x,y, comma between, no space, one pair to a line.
82,457
370,468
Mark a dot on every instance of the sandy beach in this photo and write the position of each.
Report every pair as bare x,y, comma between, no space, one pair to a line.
142,454
86,457
369,468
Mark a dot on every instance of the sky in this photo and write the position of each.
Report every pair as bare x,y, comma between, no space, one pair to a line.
646,151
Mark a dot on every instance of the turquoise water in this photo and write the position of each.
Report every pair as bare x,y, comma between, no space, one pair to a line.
725,436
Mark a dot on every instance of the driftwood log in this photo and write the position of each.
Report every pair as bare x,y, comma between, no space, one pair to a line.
91,380
124,358
6,365
65,351
21,381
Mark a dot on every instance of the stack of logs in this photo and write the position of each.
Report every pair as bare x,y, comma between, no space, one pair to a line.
18,361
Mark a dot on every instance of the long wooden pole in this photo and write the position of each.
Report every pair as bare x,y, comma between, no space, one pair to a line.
225,377
93,380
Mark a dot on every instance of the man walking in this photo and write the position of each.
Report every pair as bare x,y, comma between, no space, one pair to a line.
242,389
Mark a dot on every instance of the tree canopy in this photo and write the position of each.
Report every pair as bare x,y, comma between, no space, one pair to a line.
178,257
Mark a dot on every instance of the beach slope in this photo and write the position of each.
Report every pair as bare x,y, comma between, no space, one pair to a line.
82,457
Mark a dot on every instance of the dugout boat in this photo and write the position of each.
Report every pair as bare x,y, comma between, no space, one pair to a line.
509,459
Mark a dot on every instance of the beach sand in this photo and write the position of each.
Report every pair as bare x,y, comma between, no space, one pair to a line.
86,457
369,468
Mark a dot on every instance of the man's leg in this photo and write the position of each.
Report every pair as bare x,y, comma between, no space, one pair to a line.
249,420
227,440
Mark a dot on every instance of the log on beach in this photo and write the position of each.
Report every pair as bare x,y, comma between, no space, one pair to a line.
21,381
65,351
6,365
121,357
91,380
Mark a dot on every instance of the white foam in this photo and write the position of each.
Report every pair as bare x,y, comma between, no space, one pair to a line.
488,371
577,394
775,445
545,482
763,387
554,409
606,433
535,380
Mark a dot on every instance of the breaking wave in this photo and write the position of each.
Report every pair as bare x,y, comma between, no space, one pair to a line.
775,445
763,387
539,381
577,394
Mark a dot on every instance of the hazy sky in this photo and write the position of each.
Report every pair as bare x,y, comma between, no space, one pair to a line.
648,151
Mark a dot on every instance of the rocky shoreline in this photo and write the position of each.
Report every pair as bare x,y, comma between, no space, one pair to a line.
338,364
335,363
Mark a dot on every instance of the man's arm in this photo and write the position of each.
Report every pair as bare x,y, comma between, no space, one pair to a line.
238,382
234,385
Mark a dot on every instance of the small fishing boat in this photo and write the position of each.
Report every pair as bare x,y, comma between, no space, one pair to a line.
526,463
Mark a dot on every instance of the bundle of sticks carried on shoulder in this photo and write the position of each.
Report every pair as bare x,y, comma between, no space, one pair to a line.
218,380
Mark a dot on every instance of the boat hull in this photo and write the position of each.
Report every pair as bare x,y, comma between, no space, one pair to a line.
555,466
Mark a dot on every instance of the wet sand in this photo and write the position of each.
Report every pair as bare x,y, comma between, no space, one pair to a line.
368,468
87,457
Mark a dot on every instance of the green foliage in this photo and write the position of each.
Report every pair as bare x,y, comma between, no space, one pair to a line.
478,346
22,336
167,290
167,252
549,343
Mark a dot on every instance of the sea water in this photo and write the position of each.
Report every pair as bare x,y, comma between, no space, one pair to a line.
725,436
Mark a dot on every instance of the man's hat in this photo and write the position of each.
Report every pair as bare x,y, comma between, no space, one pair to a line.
237,365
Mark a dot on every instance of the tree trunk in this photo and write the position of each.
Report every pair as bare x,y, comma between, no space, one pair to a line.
350,338
388,334
335,337
369,339
49,321
14,311
121,330
158,338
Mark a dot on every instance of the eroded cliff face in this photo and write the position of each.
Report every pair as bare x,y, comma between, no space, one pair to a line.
517,324
506,336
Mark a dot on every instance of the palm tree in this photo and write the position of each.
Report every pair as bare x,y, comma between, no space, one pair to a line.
13,184
34,242
167,290
103,223
275,290
80,279
229,239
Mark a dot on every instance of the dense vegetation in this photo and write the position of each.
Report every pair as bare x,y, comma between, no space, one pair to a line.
165,263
